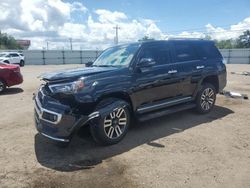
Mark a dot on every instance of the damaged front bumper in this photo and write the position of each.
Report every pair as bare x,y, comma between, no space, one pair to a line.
55,120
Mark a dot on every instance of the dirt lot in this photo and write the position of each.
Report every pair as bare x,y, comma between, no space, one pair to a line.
180,150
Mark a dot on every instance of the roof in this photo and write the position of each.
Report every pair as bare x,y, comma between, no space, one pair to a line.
169,40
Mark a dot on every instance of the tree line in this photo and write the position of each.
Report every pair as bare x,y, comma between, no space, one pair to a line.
8,42
243,41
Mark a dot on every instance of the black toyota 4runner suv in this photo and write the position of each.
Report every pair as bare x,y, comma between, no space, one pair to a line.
141,80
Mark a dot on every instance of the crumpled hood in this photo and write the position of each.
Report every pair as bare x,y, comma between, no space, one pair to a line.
69,74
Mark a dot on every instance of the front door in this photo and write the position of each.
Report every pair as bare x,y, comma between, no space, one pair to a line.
159,81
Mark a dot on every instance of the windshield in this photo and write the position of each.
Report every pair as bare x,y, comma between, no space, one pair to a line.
117,56
2,55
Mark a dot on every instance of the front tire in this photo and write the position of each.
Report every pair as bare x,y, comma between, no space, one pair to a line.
112,128
206,98
2,86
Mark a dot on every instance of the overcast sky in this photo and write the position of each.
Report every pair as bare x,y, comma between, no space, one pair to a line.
90,23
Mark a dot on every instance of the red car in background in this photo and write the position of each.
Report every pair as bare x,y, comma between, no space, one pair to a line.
10,75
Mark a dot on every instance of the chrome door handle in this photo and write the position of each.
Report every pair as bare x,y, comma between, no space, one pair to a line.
200,67
172,71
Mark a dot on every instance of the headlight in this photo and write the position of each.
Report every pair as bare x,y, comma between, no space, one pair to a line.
68,88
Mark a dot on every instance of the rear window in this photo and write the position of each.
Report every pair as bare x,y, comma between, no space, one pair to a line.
207,50
184,52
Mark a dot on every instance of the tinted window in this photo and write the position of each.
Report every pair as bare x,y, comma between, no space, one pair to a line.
207,50
161,54
184,52
14,55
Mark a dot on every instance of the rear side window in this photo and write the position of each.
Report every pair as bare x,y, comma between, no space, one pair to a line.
14,55
184,52
207,50
160,53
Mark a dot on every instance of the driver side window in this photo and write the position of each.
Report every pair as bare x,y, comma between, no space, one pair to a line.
159,53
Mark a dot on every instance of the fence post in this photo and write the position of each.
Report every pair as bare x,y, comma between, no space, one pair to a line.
96,54
81,56
63,57
43,54
249,56
229,56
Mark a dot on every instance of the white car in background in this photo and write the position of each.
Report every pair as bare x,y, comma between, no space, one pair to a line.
12,58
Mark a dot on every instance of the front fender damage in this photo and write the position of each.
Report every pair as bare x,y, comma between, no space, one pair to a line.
96,116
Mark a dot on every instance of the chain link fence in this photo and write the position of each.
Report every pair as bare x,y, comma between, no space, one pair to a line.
236,56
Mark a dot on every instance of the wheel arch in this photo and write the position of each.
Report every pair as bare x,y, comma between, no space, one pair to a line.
117,95
3,80
5,83
212,79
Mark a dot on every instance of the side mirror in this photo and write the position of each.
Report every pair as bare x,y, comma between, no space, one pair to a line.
89,64
146,62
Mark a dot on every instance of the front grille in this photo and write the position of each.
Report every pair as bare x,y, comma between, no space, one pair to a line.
42,93
36,115
44,114
39,111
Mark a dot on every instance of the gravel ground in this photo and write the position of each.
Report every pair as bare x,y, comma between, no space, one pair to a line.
180,150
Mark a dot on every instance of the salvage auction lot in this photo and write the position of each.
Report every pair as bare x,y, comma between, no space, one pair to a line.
184,149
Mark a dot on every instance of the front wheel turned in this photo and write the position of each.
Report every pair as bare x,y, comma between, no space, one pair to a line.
113,127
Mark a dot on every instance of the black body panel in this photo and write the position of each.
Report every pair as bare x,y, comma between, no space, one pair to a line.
173,80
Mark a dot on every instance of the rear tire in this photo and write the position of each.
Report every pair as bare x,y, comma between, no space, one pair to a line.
206,98
112,128
6,61
2,86
21,63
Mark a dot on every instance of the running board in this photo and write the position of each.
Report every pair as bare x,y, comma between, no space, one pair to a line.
167,111
163,104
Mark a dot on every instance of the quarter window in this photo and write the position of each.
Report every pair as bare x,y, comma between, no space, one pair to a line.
207,51
14,55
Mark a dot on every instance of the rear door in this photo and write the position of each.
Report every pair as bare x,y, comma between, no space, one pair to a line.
158,82
209,55
189,67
